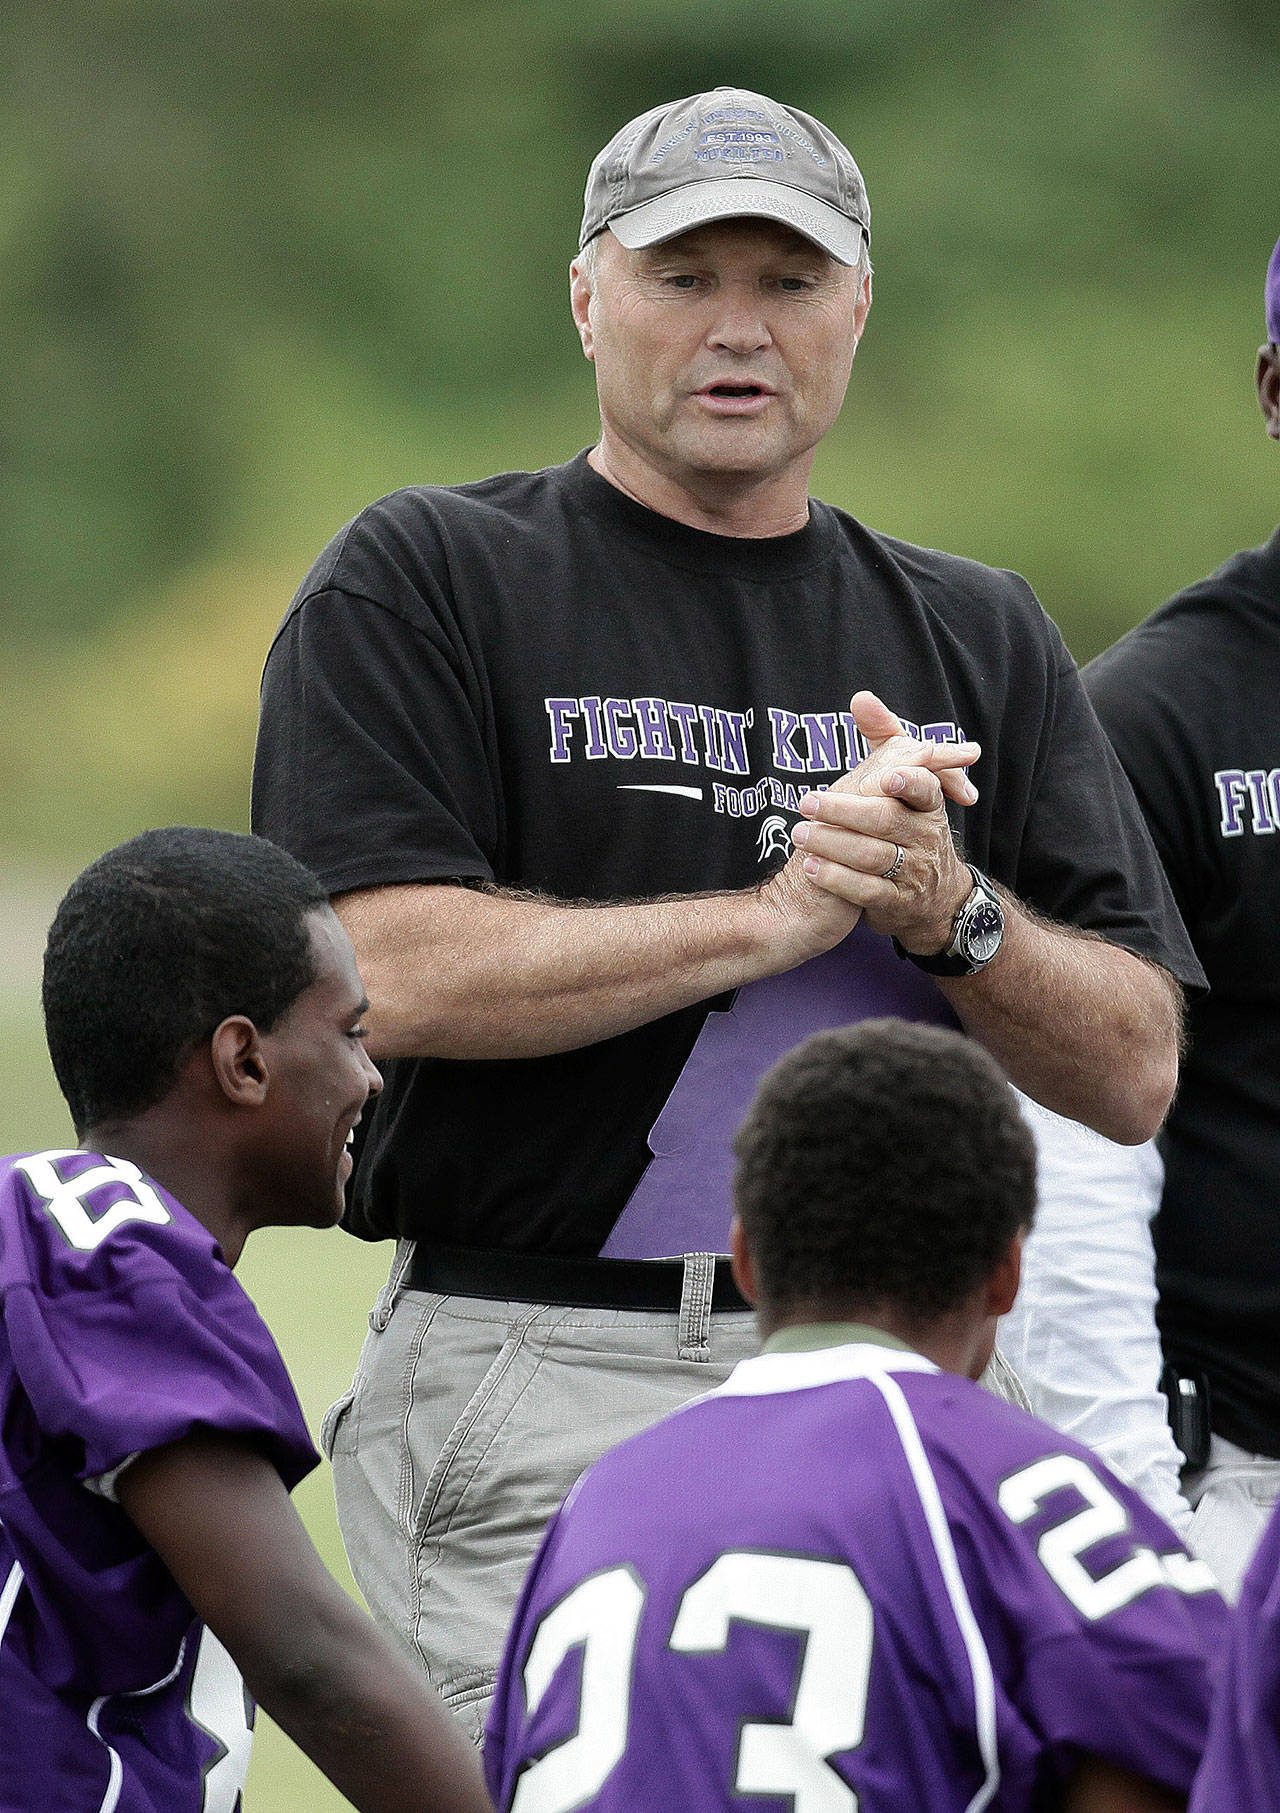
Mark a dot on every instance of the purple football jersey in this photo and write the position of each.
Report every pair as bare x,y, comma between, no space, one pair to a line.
1241,1768
848,1579
121,1329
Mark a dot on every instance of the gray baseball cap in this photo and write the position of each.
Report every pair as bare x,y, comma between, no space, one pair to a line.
721,155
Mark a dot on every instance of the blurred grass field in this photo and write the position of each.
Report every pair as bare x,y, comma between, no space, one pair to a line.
314,1290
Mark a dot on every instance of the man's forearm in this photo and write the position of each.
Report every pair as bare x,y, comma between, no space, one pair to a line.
1085,1027
457,973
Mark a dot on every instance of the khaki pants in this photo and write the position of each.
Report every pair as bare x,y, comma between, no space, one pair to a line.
1232,1500
467,1423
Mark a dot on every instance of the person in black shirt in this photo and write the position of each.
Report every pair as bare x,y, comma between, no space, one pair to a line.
575,752
1189,699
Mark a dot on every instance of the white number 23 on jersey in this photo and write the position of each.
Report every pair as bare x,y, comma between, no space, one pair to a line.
822,1600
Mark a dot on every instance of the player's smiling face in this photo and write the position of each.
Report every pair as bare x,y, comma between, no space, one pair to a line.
320,1080
725,351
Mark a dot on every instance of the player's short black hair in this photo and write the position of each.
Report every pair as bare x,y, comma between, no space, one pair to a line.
883,1164
154,945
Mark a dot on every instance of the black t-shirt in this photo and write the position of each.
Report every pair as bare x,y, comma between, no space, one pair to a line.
535,681
1191,699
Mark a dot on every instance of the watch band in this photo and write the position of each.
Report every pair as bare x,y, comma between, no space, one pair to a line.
976,934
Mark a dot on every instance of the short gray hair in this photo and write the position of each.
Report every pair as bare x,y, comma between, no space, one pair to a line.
588,258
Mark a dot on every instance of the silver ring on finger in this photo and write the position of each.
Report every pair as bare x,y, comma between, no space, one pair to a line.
895,867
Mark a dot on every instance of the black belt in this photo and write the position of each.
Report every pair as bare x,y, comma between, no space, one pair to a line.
459,1271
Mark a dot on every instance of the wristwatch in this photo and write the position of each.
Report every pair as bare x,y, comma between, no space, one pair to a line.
976,933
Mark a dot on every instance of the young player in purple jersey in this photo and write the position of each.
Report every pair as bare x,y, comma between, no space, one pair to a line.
1241,1768
849,1578
203,1011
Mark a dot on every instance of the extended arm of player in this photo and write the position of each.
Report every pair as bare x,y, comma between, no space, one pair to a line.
1099,1787
217,1513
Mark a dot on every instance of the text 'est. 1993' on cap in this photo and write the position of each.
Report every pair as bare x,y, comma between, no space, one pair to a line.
722,155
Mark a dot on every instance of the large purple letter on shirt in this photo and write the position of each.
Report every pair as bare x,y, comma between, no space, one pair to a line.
683,1203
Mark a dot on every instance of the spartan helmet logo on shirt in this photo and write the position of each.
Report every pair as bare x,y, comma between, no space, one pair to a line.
774,838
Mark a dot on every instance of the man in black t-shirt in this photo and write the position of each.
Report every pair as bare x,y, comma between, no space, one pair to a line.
575,753
1191,700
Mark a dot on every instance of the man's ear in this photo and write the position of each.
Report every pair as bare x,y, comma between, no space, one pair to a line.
581,292
1002,1285
1268,376
741,1262
239,1063
862,308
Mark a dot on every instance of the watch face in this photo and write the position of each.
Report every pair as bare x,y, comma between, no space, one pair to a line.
983,932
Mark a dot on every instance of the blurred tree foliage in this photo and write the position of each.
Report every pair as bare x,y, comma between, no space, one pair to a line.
261,259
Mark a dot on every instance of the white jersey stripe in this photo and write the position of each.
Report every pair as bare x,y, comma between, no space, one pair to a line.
116,1778
770,1374
12,1587
984,1691
116,1775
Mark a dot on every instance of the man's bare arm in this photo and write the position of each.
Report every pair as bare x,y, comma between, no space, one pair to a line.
456,973
461,973
1084,1026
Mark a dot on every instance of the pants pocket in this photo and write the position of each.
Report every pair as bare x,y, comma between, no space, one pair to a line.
476,1521
456,1462
333,1416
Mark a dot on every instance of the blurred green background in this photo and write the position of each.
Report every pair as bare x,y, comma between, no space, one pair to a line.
261,260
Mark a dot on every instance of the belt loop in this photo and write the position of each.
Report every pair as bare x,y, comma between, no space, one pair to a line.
695,1306
385,1301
